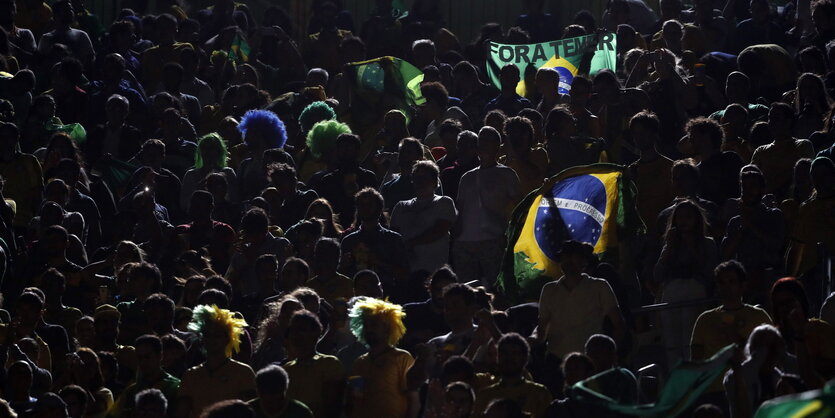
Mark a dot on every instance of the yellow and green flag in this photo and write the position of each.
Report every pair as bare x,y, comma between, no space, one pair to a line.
593,204
240,50
812,404
568,56
684,385
377,86
382,84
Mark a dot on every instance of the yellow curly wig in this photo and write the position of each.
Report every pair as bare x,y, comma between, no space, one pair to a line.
376,308
205,314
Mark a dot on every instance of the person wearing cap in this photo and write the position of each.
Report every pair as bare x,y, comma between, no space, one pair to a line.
144,279
574,307
107,321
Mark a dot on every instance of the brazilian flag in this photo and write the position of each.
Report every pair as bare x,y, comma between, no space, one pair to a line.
593,203
569,57
385,83
380,85
239,50
812,404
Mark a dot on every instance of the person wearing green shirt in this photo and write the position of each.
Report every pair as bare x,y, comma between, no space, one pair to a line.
149,376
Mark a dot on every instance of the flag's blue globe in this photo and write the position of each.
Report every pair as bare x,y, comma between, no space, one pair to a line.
573,209
566,77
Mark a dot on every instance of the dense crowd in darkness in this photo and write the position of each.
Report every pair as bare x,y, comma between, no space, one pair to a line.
198,219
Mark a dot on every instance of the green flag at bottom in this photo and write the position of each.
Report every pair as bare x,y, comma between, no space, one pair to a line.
687,381
811,404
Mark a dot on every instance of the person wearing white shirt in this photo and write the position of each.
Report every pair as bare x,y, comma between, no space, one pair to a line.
76,40
486,197
425,220
573,308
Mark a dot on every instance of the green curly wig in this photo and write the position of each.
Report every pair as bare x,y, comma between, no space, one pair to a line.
322,136
315,112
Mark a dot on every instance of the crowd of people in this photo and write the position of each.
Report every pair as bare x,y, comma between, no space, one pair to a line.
199,220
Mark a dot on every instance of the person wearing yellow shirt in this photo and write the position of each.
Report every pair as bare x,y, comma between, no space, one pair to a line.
220,377
729,323
23,180
732,321
321,49
777,159
317,380
378,378
811,340
532,397
523,156
34,15
167,50
655,192
328,283
814,222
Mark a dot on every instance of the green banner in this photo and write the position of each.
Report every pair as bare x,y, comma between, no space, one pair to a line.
581,55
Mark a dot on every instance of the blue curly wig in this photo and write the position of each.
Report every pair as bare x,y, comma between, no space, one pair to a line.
266,124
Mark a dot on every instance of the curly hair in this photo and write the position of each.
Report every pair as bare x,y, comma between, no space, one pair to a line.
203,315
265,123
313,113
376,308
322,136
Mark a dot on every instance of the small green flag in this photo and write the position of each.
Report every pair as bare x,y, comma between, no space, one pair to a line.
812,404
116,174
74,130
565,55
